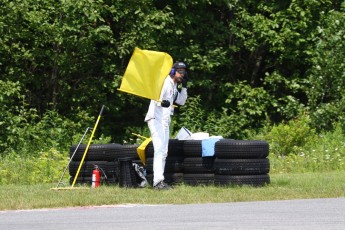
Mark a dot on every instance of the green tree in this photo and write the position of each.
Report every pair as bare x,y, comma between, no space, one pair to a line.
249,61
326,77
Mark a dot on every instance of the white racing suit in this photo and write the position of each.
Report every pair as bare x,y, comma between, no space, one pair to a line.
158,120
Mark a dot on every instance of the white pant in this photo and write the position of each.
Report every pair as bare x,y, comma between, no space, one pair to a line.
160,140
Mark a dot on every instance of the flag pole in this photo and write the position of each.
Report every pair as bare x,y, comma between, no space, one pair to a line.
88,145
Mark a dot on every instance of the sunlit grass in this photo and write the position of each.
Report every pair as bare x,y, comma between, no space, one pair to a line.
283,186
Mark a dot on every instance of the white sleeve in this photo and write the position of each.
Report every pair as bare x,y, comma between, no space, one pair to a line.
163,92
181,97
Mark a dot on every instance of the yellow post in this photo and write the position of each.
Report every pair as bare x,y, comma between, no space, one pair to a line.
87,146
139,135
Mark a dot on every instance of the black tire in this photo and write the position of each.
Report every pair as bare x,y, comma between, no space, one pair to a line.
87,167
149,150
127,151
127,174
198,179
241,149
196,165
253,180
112,171
175,148
192,148
173,164
241,166
96,152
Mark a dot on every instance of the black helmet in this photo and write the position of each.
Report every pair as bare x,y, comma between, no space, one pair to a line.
179,65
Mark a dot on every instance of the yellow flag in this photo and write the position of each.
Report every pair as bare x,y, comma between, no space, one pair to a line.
145,73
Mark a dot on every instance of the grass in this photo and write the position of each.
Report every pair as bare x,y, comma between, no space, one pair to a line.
282,187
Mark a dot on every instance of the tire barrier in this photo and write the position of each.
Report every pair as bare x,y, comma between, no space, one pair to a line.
241,162
97,152
235,162
252,180
87,167
198,165
241,149
192,148
175,148
241,166
127,176
198,179
197,170
106,157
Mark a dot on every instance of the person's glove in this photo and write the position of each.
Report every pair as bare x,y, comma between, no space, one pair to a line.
185,80
165,103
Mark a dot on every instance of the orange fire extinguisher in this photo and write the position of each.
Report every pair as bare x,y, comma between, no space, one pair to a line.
96,177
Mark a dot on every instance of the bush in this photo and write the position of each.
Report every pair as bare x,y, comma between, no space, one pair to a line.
45,167
288,138
295,147
23,131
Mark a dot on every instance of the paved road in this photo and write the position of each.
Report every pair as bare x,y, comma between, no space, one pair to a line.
290,214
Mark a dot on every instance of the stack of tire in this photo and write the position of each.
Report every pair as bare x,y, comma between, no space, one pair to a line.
241,162
105,156
235,162
173,172
197,169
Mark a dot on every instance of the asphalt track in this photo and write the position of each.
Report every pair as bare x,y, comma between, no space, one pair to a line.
288,214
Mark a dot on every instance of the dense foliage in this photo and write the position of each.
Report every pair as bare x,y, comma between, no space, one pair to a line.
252,64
